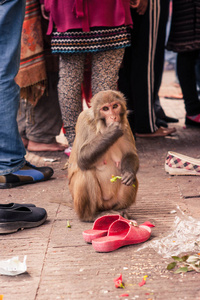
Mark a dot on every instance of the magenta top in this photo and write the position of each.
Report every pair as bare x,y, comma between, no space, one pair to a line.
84,14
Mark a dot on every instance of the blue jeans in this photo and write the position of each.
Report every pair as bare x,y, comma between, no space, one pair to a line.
12,150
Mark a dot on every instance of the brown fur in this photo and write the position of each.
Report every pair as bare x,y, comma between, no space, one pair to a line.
100,151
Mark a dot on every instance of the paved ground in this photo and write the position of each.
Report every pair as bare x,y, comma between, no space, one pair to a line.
60,265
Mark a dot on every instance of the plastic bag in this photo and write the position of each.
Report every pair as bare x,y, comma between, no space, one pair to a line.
184,238
13,266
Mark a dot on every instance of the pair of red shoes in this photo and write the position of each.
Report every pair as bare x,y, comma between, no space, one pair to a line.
113,231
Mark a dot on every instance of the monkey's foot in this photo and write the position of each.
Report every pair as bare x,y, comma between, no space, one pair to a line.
33,146
161,131
124,213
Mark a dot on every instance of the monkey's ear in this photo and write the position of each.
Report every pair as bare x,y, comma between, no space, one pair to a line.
94,106
129,112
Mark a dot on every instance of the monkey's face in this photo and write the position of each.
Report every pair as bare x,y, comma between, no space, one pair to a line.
111,112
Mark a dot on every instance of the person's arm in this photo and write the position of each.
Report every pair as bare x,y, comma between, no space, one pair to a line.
142,7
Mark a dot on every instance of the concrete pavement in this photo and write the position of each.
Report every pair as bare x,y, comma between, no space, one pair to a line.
60,265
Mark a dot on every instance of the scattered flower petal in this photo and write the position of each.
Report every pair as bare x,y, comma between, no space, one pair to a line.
143,280
118,282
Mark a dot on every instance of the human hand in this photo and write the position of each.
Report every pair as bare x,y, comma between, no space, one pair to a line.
134,3
142,7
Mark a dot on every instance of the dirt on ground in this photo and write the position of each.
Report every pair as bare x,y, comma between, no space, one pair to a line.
61,265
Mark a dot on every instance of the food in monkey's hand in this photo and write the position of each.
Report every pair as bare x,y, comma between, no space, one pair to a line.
114,178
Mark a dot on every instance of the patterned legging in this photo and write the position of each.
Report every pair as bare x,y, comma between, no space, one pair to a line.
105,68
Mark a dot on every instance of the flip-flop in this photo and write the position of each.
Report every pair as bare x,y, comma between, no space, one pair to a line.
122,233
100,227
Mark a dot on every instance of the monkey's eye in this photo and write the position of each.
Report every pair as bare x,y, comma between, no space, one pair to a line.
105,108
115,105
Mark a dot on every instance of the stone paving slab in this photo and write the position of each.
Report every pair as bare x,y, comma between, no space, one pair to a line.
60,265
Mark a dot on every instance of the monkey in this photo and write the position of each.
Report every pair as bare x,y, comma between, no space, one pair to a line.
104,146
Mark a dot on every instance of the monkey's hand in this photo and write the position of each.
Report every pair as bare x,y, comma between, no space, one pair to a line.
114,130
129,168
128,178
92,151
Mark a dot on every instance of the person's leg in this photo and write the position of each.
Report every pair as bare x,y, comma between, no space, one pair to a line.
71,70
11,147
142,68
14,170
138,68
105,70
197,70
124,83
162,7
44,121
21,120
187,78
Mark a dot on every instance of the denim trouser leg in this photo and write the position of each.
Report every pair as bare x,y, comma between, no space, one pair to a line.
12,150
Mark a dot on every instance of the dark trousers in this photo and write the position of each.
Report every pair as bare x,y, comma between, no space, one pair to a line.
43,122
141,73
186,63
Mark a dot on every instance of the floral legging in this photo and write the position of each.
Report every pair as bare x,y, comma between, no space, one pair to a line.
105,68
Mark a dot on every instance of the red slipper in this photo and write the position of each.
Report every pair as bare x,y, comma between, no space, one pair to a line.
122,233
100,227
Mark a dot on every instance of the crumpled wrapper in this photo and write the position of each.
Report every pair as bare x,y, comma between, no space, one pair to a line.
13,266
184,237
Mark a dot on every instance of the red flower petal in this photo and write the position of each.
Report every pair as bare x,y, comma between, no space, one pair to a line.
118,278
118,282
142,282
